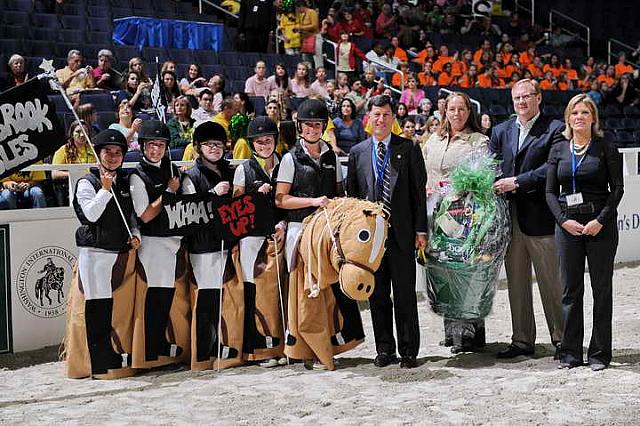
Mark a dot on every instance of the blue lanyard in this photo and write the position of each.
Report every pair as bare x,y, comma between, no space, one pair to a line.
574,166
379,172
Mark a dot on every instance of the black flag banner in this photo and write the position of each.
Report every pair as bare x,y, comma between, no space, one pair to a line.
230,218
29,127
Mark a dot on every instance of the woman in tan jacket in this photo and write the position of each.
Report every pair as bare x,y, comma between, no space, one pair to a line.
459,138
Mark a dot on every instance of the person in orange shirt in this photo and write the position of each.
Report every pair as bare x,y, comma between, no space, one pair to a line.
504,70
397,79
469,79
567,68
428,54
485,47
443,59
507,50
399,53
484,79
549,83
608,77
445,79
496,81
622,67
460,67
536,68
553,66
563,82
589,66
526,58
426,78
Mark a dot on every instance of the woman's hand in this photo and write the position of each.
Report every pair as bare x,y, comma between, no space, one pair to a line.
134,242
106,178
320,201
279,234
173,185
574,228
221,188
592,228
265,188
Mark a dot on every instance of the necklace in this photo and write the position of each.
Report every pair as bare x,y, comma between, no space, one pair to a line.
580,149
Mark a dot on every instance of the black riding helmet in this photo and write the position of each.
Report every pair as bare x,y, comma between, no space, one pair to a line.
207,131
153,130
261,126
110,137
312,110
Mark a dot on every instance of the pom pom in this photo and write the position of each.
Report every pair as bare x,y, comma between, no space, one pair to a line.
238,126
288,6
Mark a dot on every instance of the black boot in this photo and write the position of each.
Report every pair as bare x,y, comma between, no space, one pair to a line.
225,351
156,318
208,300
97,315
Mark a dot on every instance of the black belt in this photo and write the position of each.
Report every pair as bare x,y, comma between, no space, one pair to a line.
584,208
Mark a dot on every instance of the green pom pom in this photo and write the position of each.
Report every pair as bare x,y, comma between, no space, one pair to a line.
238,126
476,176
288,6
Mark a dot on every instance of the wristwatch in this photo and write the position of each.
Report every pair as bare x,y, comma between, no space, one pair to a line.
515,182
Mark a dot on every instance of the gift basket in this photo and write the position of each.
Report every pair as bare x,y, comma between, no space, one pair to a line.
470,232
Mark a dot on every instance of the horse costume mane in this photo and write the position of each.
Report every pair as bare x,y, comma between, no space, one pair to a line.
343,243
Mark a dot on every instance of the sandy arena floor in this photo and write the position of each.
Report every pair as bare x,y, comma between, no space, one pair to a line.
465,389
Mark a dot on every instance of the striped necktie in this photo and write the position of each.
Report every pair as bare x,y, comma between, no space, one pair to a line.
384,187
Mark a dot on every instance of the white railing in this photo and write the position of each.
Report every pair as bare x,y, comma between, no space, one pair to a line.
554,13
611,54
531,11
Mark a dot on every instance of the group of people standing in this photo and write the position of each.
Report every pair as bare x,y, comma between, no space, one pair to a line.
563,183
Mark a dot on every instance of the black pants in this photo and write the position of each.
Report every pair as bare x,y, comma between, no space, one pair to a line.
600,252
396,271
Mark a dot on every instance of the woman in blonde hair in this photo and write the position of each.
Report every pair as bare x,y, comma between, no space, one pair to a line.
584,188
459,137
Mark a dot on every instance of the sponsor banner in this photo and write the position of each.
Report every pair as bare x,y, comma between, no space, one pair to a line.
29,127
629,221
43,254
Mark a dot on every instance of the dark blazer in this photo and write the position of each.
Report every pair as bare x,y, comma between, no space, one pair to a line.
529,165
408,179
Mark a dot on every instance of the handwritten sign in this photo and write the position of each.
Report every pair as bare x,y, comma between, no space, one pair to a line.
230,218
29,127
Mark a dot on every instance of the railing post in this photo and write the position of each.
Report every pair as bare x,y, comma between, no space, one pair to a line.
609,52
588,41
533,12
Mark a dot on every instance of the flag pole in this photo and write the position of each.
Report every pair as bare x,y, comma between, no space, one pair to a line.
57,86
160,109
224,263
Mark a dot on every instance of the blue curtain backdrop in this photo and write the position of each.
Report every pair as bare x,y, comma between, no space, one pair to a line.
168,33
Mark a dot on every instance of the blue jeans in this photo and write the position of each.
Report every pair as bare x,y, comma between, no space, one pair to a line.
9,199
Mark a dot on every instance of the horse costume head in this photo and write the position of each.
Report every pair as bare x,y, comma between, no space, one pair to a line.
344,243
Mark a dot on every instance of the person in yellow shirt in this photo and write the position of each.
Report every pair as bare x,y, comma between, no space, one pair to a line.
292,39
22,189
75,151
75,78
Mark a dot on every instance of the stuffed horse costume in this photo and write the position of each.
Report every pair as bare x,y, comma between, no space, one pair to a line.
339,250
76,351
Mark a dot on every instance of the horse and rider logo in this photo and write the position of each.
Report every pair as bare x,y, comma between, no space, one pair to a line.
43,279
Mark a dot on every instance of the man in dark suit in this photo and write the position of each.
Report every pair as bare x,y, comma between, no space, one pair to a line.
390,169
523,145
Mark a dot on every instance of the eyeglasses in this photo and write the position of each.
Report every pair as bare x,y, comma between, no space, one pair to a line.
212,145
524,97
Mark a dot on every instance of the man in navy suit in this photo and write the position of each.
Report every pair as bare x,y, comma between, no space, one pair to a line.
390,169
523,145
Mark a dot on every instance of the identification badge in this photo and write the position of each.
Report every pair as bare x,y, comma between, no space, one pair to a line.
574,199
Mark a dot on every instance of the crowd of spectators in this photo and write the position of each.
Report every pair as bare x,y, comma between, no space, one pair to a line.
411,40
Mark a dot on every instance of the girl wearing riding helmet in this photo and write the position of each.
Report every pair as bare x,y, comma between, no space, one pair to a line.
257,175
102,238
308,176
154,176
211,173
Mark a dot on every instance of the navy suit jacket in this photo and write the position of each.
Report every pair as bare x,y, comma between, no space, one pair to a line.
407,177
529,165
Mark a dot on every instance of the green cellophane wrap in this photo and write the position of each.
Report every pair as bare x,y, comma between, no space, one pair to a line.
470,232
